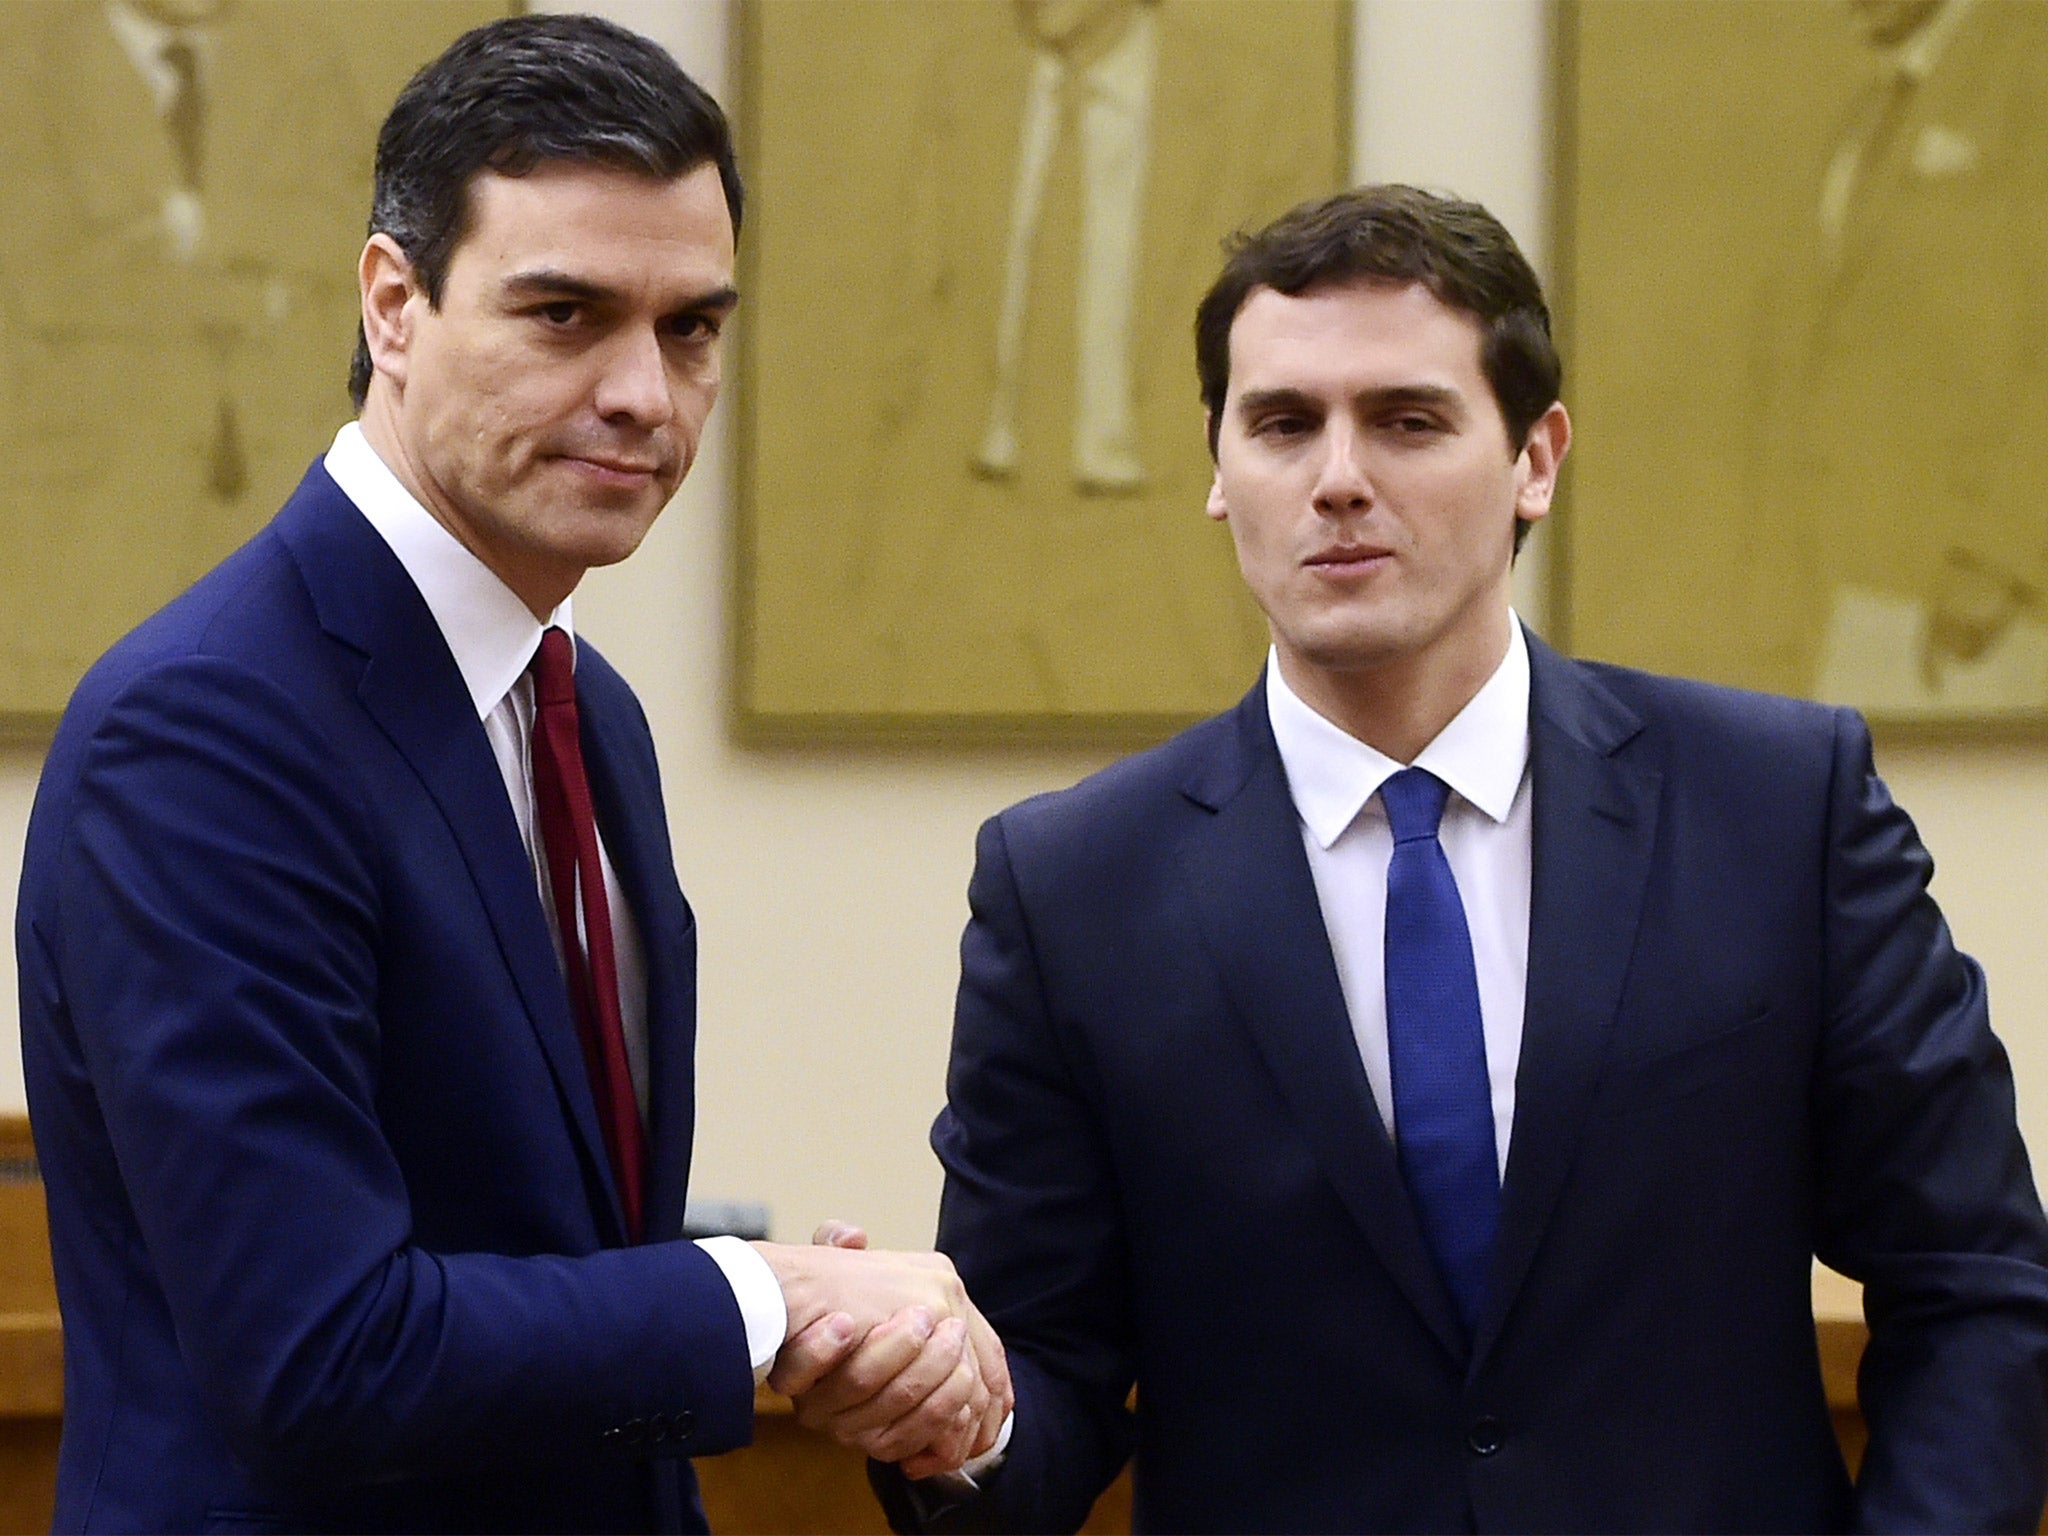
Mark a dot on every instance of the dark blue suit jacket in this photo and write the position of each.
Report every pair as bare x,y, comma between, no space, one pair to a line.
335,1238
1748,1041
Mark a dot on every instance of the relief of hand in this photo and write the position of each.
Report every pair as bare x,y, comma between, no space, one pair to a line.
886,1354
1974,604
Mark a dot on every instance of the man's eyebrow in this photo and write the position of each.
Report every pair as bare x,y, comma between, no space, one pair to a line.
548,283
1418,394
717,301
1274,399
1286,399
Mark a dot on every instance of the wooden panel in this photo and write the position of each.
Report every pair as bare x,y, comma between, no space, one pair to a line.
793,1482
25,1282
788,1480
31,1341
31,1365
28,1474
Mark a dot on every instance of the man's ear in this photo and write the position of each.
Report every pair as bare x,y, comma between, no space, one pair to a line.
1542,455
1215,507
389,286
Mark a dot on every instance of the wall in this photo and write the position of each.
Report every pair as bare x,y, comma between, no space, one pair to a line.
829,885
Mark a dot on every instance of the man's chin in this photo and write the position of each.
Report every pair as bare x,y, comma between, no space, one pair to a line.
617,545
1354,647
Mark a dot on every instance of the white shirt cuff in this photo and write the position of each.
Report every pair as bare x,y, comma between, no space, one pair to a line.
759,1295
977,1467
968,1479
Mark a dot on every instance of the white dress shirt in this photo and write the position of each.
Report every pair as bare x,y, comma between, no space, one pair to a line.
493,637
1334,778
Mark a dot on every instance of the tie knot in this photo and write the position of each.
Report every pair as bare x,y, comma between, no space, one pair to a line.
1414,799
554,669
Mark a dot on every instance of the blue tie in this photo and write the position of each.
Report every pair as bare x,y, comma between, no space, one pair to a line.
1443,1108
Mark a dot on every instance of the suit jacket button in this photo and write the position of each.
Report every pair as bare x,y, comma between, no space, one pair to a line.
633,1431
685,1422
1484,1436
657,1429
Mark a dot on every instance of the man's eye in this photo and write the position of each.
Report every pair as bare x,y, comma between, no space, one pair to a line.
1413,425
560,312
693,327
1283,426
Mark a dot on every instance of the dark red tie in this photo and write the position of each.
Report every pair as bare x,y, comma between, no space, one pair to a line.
568,831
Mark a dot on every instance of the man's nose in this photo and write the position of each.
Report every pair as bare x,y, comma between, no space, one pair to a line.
1342,484
634,386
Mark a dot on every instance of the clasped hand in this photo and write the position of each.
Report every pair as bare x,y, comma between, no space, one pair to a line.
885,1353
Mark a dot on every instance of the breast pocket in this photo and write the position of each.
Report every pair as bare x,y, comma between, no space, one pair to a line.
1692,1067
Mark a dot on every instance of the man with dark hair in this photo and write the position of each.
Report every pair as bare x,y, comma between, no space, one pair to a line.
505,99
1451,248
1430,1083
357,988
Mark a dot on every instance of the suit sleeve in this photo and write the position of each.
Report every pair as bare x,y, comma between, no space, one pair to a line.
217,947
1029,1216
1926,1196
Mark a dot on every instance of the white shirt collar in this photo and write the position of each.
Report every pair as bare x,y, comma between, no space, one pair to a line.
1481,754
492,634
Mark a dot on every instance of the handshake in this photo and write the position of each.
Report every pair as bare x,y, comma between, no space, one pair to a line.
885,1353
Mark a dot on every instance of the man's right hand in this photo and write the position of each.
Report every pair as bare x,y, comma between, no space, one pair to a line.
885,1352
846,1277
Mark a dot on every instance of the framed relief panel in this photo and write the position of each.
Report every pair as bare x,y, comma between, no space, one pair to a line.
187,187
973,460
1806,262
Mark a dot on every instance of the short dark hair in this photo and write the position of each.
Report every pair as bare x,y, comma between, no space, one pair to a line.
516,93
1396,234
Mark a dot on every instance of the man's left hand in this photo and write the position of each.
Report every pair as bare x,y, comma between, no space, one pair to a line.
930,1396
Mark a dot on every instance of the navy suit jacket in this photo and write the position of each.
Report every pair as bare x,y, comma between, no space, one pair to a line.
336,1241
1748,1041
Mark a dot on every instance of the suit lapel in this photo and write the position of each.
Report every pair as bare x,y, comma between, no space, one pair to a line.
412,688
629,813
1263,927
1595,825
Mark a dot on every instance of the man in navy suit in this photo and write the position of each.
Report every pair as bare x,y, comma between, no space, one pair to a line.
1430,1083
357,987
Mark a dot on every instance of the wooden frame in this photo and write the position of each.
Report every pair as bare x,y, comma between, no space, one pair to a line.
903,572
1802,284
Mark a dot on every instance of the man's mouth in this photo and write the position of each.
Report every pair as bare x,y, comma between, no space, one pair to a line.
622,470
1340,558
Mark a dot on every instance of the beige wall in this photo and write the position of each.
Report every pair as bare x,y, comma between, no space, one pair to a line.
829,885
